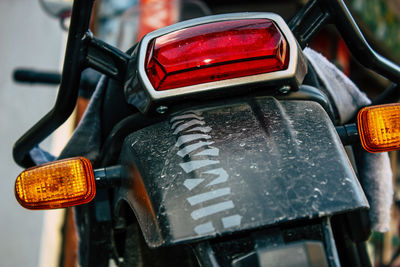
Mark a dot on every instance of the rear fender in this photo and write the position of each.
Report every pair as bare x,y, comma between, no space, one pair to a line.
216,170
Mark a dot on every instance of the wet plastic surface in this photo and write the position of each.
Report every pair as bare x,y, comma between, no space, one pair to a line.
235,167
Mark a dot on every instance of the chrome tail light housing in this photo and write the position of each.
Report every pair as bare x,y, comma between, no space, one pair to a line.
220,53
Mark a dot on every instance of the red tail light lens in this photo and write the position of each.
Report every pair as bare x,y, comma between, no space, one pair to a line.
215,51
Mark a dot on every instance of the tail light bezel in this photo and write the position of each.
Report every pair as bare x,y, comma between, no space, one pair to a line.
140,92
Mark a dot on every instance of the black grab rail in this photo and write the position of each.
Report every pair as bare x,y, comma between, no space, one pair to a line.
68,92
318,13
83,50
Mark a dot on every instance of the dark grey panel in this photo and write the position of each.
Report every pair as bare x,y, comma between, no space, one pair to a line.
212,171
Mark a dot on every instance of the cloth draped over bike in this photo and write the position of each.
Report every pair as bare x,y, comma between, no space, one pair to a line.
374,171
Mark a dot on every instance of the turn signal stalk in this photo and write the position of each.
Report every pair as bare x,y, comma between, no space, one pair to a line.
379,127
57,184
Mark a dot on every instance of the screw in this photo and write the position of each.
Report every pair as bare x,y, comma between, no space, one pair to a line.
284,89
162,109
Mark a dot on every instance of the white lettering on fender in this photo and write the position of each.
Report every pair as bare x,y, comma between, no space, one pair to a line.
222,176
190,148
191,127
196,199
197,164
186,116
204,228
192,183
212,209
190,137
208,152
188,124
231,221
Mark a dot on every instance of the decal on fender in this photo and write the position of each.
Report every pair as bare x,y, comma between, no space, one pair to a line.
191,127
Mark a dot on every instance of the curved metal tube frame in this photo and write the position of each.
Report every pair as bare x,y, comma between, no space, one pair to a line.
83,50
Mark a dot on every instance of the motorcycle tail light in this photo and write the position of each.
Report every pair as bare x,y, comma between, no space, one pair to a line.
379,127
214,56
215,51
57,184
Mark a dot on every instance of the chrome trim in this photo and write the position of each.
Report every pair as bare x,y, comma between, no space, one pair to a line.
294,73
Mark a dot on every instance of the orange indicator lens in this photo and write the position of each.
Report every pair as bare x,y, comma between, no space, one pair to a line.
379,127
57,184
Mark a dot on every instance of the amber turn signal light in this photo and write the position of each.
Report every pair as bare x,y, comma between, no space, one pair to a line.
379,127
57,184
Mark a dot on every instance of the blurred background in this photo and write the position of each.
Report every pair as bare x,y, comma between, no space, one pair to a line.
33,36
28,38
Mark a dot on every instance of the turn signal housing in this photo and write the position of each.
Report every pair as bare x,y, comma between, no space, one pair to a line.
57,184
379,127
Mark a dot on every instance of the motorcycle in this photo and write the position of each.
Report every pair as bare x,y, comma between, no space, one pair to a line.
213,145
